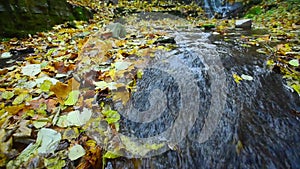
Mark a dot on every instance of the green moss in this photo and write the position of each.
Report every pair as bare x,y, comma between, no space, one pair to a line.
23,20
81,13
256,10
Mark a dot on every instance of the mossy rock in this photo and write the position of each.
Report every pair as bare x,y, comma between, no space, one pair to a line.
23,17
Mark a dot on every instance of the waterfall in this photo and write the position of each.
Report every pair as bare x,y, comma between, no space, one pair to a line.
221,8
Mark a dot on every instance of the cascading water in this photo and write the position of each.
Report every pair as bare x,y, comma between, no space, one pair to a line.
219,7
256,128
188,111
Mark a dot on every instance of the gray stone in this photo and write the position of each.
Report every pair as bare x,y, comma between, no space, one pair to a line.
243,23
117,29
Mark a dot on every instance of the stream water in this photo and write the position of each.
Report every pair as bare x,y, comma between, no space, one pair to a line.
189,100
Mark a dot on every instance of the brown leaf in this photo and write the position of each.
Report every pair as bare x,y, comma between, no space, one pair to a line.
61,91
92,157
3,71
74,84
51,104
62,68
35,104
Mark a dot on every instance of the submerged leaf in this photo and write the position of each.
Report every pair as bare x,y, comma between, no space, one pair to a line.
139,149
247,77
237,78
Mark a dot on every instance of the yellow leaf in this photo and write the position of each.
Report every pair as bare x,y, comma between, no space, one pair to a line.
237,78
112,74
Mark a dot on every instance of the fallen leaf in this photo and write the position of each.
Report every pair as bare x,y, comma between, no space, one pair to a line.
237,78
41,80
31,69
51,105
19,99
15,108
70,133
40,123
7,95
72,98
103,85
294,62
76,152
54,163
61,90
5,55
124,96
23,130
111,116
246,77
49,139
45,87
110,155
75,118
122,65
25,155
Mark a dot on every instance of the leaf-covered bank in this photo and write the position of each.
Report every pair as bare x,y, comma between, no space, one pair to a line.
49,80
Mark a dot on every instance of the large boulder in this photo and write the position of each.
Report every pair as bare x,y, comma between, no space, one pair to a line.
19,18
243,23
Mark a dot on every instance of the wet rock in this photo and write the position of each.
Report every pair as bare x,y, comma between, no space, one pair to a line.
243,23
165,39
209,26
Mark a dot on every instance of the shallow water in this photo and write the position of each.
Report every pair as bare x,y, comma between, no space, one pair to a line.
188,99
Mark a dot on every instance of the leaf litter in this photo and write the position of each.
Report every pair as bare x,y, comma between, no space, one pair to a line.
42,96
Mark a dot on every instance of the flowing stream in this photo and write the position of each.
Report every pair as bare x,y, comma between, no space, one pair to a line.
188,98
